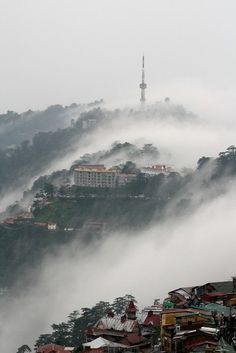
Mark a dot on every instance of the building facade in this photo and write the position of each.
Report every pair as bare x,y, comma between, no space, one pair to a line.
98,176
95,176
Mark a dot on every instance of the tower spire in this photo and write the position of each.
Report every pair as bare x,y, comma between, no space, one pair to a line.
143,85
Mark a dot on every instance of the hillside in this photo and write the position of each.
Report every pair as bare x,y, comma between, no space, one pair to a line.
86,214
18,127
31,142
21,163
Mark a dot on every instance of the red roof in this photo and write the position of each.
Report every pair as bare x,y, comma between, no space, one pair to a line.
152,320
52,348
134,338
198,342
214,294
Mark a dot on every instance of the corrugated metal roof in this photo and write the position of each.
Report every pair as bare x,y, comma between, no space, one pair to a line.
182,291
102,342
114,323
225,287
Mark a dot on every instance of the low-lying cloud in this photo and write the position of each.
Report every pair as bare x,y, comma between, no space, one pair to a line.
179,251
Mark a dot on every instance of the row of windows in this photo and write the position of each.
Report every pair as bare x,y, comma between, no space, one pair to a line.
95,173
92,183
95,178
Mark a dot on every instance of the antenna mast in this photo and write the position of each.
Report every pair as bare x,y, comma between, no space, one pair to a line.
143,85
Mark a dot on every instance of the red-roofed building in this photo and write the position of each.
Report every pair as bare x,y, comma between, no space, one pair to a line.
153,320
131,329
204,344
193,341
131,311
213,297
54,348
95,350
133,339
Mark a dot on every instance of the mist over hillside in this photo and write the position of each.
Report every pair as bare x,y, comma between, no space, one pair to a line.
159,248
175,212
131,195
18,127
180,137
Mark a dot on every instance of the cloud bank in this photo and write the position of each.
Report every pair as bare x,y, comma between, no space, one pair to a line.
179,251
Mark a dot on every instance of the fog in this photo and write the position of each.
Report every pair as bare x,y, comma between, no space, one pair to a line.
179,251
75,51
181,136
80,51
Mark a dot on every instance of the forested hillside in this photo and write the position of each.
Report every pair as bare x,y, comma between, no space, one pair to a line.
86,214
30,142
18,127
30,158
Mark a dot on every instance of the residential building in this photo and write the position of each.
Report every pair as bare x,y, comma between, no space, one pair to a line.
156,308
214,292
123,179
98,176
52,226
54,348
134,330
116,328
156,169
95,176
101,345
176,324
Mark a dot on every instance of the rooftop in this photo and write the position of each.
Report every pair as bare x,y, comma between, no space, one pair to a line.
115,323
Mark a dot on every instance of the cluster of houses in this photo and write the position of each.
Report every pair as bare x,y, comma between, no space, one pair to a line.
87,175
18,218
27,218
192,319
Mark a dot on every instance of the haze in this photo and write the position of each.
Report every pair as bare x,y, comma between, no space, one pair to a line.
61,51
64,51
148,264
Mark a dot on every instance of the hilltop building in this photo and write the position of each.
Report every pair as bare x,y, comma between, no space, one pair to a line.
98,176
95,176
151,170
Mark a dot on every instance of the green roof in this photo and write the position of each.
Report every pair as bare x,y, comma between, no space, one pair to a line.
186,314
221,309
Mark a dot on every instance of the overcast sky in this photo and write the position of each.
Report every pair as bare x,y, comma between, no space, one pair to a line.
64,51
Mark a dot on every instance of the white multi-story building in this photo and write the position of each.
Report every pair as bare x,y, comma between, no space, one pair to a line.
95,176
98,176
